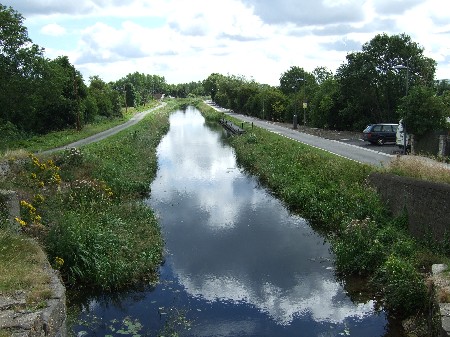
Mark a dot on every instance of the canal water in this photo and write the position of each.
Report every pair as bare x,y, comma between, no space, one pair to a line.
237,262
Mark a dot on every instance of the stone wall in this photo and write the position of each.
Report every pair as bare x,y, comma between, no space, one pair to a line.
427,204
9,205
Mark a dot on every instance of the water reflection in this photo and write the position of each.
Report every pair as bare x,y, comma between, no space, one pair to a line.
229,241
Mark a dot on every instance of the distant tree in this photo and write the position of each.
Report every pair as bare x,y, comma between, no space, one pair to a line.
442,86
323,113
62,92
211,85
299,85
103,96
322,74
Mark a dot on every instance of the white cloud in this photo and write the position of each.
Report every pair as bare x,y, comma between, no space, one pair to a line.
53,29
186,41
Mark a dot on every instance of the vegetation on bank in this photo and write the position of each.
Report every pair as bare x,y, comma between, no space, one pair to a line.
333,194
21,261
85,206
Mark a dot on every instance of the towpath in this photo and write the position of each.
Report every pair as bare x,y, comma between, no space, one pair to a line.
104,134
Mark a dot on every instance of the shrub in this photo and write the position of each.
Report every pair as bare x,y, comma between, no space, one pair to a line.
403,287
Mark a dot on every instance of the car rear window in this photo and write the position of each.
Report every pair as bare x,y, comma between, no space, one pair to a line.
377,128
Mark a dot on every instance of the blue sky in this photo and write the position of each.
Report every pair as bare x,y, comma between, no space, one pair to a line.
186,41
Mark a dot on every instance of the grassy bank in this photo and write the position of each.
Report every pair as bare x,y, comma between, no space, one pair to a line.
332,193
84,206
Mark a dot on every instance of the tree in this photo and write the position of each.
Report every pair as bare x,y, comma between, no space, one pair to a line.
211,85
422,111
324,108
102,94
299,86
370,85
21,66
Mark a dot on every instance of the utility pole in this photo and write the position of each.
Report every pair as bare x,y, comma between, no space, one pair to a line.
77,107
125,95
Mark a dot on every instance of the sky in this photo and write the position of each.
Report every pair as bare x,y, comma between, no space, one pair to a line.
186,41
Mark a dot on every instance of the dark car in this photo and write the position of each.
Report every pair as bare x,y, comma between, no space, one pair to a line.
380,133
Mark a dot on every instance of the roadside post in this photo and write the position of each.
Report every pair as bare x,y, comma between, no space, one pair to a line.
305,105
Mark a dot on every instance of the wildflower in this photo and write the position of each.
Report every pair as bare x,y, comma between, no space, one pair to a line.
30,207
56,178
33,175
59,262
20,221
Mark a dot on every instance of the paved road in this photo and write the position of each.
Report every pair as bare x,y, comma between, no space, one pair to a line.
350,151
102,135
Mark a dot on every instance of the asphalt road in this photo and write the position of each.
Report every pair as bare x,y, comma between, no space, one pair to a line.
356,150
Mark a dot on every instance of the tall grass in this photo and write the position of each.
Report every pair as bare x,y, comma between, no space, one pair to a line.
420,168
105,236
324,188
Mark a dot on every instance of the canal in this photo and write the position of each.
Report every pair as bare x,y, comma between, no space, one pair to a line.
237,263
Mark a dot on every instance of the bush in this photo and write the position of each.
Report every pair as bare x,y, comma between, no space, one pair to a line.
403,287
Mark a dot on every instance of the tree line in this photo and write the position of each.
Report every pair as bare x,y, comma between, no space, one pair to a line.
389,79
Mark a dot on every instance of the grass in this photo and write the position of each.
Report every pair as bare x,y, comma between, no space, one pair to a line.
21,261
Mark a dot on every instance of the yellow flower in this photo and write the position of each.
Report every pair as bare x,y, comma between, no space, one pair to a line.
33,175
20,221
59,262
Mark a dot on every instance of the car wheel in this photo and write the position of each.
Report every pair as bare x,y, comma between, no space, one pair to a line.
380,141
